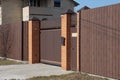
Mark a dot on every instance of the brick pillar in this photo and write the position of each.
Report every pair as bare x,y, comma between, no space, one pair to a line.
78,40
33,41
66,40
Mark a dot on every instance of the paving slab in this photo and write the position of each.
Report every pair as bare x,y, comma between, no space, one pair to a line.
24,71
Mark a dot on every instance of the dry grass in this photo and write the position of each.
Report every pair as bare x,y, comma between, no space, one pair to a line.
72,76
8,62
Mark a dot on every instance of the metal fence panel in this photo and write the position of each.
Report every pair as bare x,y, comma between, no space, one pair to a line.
100,41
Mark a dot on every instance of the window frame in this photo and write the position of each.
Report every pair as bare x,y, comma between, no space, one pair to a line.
37,3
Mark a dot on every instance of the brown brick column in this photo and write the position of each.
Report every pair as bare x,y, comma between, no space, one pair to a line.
33,41
78,40
66,40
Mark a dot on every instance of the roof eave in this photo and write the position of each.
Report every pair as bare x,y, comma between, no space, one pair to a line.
76,4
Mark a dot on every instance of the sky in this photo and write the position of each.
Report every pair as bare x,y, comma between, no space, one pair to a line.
95,3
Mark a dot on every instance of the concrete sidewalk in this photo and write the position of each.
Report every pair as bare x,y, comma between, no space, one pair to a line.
28,71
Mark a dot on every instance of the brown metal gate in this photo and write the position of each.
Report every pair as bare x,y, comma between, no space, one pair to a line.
25,41
50,46
73,49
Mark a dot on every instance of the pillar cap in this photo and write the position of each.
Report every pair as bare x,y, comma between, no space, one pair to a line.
69,11
83,8
34,19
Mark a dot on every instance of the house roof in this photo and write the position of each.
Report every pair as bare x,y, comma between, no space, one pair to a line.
76,4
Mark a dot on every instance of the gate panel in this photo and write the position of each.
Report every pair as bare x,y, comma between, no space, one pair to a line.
25,41
50,50
73,49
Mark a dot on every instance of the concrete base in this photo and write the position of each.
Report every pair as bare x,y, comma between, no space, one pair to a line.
25,71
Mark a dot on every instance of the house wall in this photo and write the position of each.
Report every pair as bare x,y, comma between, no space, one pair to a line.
51,12
67,4
12,11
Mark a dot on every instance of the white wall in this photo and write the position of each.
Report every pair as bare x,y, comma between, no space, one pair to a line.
25,13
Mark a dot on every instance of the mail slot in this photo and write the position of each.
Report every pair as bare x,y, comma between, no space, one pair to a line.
62,41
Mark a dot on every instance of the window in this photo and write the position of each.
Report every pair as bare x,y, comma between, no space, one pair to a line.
31,2
39,3
57,3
